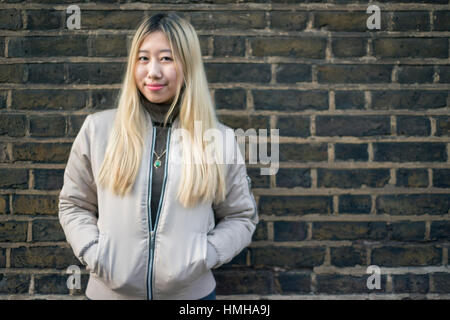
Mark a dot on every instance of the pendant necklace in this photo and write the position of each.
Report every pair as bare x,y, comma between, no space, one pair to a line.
157,162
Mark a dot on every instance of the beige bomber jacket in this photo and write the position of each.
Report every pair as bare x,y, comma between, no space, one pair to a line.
111,234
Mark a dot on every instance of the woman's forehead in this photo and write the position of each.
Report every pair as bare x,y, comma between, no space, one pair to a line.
155,42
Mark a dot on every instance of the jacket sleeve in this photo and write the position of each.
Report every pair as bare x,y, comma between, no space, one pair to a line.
237,215
78,197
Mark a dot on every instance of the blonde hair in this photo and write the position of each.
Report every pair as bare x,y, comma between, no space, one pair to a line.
202,179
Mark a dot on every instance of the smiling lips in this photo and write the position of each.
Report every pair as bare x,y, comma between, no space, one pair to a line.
155,86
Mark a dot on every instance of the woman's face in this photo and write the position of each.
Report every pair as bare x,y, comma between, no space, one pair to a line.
155,74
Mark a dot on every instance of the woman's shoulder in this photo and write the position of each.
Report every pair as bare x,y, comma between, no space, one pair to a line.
103,117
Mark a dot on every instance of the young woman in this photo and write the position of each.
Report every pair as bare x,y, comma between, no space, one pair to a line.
147,210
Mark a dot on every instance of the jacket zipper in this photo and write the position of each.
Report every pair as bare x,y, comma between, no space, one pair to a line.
153,231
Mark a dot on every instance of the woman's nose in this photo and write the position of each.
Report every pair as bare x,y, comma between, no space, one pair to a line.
154,70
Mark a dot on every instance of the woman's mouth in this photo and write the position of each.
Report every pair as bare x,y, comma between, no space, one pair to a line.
155,87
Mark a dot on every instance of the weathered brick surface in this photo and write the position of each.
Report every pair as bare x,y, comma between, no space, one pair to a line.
363,118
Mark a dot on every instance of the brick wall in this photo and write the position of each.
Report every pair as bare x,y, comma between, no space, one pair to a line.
364,137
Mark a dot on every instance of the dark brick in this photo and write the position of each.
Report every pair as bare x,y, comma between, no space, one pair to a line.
12,73
109,19
353,73
47,126
409,151
357,126
415,74
412,178
35,99
13,231
303,152
407,231
2,259
354,204
47,46
441,282
245,122
2,46
57,284
444,74
14,179
293,282
243,282
42,257
95,73
3,95
114,45
410,48
260,232
204,46
349,100
4,204
348,47
289,231
442,19
351,21
238,72
348,256
440,230
48,179
413,204
14,283
10,19
75,123
293,72
289,21
290,100
295,205
390,256
442,126
235,99
44,19
349,230
348,178
35,204
410,283
291,178
105,99
42,152
46,73
313,48
240,20
258,180
303,257
13,125
351,152
297,126
412,100
47,230
4,153
229,46
441,178
346,284
413,126
411,21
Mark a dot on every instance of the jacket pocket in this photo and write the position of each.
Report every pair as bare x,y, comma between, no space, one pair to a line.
186,269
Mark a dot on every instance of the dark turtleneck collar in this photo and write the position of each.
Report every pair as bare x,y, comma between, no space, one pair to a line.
158,111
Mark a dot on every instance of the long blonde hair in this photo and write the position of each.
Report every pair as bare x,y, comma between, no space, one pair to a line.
202,179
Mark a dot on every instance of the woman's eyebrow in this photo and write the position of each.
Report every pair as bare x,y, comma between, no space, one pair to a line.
162,50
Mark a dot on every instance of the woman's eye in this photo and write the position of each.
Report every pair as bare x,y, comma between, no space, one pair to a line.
168,58
142,57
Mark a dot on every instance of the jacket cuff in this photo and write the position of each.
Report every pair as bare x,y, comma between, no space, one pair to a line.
90,255
212,258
